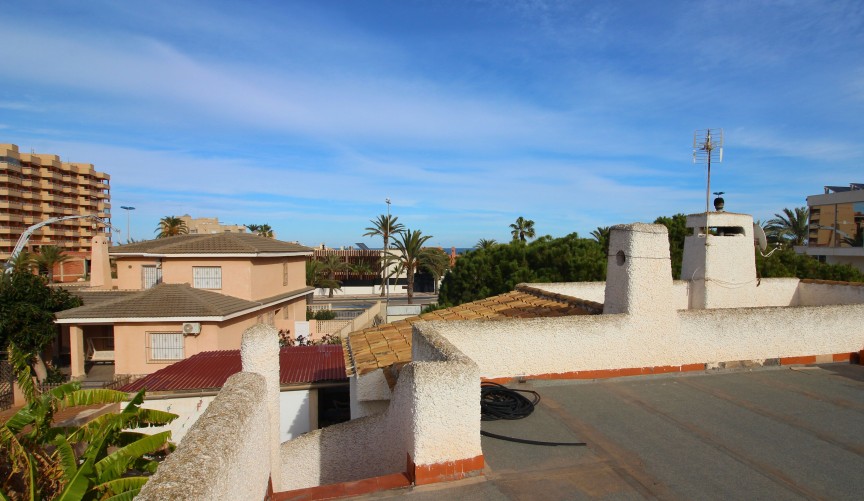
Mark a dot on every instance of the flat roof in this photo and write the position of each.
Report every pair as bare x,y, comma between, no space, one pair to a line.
766,433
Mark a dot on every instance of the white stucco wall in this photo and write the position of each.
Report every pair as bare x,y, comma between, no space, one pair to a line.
814,293
294,406
590,291
433,417
777,292
221,457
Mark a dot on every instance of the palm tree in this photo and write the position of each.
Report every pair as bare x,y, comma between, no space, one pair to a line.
262,230
48,257
485,243
601,235
436,262
856,241
791,226
522,229
385,226
170,226
410,246
329,267
23,262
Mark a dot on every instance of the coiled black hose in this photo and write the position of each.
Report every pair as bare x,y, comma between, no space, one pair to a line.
499,402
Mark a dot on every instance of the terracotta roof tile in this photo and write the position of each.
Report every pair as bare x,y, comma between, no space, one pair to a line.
216,243
390,344
209,370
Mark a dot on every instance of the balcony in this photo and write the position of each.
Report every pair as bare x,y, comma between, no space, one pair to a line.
12,218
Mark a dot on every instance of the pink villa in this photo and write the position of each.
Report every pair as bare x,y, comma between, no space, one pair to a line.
182,295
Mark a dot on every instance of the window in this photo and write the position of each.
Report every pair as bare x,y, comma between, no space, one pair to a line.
165,346
207,277
285,273
150,276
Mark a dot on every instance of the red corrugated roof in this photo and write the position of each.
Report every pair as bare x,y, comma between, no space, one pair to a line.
210,369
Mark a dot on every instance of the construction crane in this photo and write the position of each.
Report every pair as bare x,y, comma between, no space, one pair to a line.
25,237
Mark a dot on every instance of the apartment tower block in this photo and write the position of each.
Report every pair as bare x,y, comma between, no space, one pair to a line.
37,186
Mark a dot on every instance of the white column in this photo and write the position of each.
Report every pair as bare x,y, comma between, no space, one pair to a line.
259,352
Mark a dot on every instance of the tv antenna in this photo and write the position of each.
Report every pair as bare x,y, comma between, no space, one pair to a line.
708,143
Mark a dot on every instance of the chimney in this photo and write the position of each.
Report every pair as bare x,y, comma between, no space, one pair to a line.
100,266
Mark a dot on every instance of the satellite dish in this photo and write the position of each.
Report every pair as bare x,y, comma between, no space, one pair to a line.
759,237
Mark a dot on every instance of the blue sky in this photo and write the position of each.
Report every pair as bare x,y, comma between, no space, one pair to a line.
466,114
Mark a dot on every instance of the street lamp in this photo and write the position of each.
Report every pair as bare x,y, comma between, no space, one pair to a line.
128,209
387,262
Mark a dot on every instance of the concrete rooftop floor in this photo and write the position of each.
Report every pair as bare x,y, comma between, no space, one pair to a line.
766,433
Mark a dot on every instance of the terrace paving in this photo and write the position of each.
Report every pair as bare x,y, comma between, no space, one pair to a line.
767,433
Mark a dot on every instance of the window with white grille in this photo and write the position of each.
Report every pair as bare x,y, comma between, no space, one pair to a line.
150,276
165,346
207,277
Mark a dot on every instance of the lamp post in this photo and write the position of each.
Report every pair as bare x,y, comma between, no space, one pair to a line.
387,260
128,209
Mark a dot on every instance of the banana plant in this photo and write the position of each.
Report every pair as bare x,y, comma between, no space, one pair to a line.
44,460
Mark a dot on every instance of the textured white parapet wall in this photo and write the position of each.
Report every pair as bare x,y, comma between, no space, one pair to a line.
590,291
220,458
259,352
819,292
639,271
360,448
761,333
446,399
510,348
722,267
433,416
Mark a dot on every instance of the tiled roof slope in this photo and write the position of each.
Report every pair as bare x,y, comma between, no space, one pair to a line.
390,344
216,243
210,369
163,301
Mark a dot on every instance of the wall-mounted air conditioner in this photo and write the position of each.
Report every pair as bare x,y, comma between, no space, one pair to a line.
191,328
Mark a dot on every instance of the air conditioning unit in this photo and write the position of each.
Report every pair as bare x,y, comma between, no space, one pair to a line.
191,329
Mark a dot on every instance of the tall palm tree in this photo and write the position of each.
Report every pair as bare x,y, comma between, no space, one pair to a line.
170,226
436,262
522,229
791,226
410,246
330,266
385,226
485,243
48,257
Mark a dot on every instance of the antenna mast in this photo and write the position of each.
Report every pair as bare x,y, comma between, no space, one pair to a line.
706,141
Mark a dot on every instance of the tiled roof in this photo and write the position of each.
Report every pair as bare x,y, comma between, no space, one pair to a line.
210,369
390,344
216,243
92,297
167,301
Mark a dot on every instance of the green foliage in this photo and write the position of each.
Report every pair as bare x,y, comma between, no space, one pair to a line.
48,257
27,307
787,263
320,315
262,230
677,228
482,273
522,229
92,461
170,226
792,226
411,255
